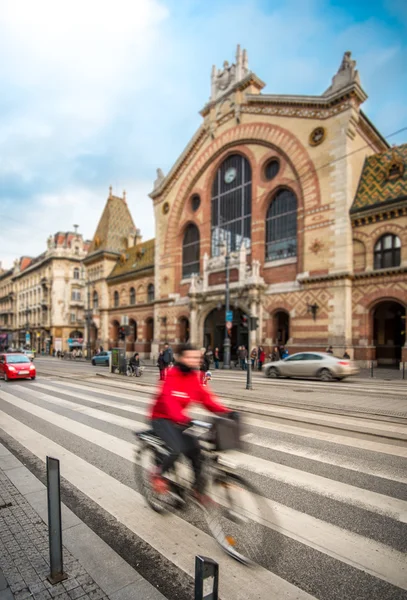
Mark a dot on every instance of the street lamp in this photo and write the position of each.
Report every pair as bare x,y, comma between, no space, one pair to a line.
226,341
88,316
27,323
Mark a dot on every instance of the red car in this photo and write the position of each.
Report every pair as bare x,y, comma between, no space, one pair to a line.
16,366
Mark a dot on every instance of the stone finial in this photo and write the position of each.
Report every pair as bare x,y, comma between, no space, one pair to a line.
76,229
110,191
346,75
124,195
160,178
245,63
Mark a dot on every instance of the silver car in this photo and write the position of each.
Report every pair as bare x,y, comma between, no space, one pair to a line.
311,364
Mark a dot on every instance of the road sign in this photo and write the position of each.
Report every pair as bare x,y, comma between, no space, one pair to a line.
229,315
229,324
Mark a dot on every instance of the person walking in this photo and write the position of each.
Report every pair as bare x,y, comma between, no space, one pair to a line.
209,354
254,356
161,365
216,358
204,366
346,354
275,354
243,358
329,350
262,358
283,352
168,357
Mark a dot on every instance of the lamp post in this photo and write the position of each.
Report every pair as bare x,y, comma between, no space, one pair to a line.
27,323
88,315
226,342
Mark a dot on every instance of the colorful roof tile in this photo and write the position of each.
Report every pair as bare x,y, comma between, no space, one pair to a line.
383,180
136,261
115,225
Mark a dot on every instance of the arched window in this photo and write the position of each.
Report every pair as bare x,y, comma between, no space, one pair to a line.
95,299
150,293
387,252
76,273
190,251
116,299
232,204
281,226
132,296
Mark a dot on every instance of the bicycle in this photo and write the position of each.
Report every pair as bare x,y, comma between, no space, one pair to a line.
235,513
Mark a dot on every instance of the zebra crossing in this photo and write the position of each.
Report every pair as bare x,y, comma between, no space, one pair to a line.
337,501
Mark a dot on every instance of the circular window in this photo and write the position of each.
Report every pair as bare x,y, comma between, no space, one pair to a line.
195,202
271,169
166,208
317,136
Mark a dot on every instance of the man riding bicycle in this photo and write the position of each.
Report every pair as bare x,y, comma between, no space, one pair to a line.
181,388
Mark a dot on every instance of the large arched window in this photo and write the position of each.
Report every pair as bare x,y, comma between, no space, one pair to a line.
281,226
387,252
190,251
150,293
116,299
232,204
95,299
132,296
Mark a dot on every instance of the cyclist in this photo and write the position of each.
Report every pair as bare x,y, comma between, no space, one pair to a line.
181,388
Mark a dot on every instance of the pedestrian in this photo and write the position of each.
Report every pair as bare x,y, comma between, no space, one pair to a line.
346,355
135,364
243,358
216,358
329,350
209,354
262,358
275,354
168,357
254,356
283,352
161,365
204,366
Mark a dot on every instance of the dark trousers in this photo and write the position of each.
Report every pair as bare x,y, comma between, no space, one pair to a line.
179,443
243,364
260,365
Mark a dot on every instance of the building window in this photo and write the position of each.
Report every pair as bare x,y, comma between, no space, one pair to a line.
116,300
73,317
132,296
271,169
76,295
76,273
195,202
150,293
95,300
232,205
387,252
190,251
281,226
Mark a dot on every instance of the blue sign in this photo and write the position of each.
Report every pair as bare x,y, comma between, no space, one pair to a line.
229,315
27,339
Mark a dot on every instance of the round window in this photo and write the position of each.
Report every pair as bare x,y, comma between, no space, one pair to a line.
195,202
166,208
271,169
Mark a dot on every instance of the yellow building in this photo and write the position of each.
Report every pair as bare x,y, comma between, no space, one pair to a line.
303,199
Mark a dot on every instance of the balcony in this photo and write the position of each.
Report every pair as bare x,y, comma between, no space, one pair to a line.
44,282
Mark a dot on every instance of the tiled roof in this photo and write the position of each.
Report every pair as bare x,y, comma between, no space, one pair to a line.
136,261
383,180
115,225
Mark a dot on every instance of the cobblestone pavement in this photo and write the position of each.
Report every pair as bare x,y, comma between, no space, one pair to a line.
24,555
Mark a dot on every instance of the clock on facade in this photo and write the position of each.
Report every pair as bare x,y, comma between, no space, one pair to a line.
230,175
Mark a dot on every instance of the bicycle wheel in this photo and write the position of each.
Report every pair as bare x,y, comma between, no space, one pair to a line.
149,459
236,516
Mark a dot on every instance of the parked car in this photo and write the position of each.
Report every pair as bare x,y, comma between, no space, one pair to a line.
29,353
311,364
102,358
16,366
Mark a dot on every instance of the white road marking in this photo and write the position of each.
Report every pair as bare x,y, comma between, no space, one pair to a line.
177,540
329,458
362,553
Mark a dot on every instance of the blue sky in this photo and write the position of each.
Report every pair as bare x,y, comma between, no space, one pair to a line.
98,93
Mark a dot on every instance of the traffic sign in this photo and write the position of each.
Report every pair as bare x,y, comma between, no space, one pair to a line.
229,324
229,315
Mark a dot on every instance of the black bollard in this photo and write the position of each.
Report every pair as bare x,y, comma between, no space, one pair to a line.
54,522
206,579
371,368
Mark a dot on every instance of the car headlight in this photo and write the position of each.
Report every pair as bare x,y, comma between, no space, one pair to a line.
32,367
12,369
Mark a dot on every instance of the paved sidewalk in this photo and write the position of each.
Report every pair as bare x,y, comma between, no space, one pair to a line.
24,550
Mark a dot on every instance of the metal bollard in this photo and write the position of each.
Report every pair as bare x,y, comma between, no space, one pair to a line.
206,579
54,522
404,370
371,368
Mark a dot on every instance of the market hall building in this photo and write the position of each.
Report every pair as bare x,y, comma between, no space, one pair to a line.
307,200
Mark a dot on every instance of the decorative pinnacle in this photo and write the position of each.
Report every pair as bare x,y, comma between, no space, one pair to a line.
124,195
110,191
76,228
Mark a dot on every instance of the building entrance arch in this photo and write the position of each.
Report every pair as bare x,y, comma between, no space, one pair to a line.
214,331
389,332
281,322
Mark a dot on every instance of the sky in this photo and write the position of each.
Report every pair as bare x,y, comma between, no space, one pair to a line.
97,93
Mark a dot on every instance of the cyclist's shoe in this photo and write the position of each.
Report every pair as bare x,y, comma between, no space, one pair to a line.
159,484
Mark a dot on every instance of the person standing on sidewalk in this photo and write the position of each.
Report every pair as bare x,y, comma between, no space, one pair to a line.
262,358
168,357
253,357
243,358
216,358
161,365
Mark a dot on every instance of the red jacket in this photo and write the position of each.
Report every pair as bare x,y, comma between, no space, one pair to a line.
262,356
179,390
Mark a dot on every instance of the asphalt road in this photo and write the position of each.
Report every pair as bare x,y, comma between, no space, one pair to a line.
335,490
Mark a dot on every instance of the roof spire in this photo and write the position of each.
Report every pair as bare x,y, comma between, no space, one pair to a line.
124,195
346,75
110,191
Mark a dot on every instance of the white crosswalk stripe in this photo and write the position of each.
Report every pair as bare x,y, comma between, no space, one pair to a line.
102,417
